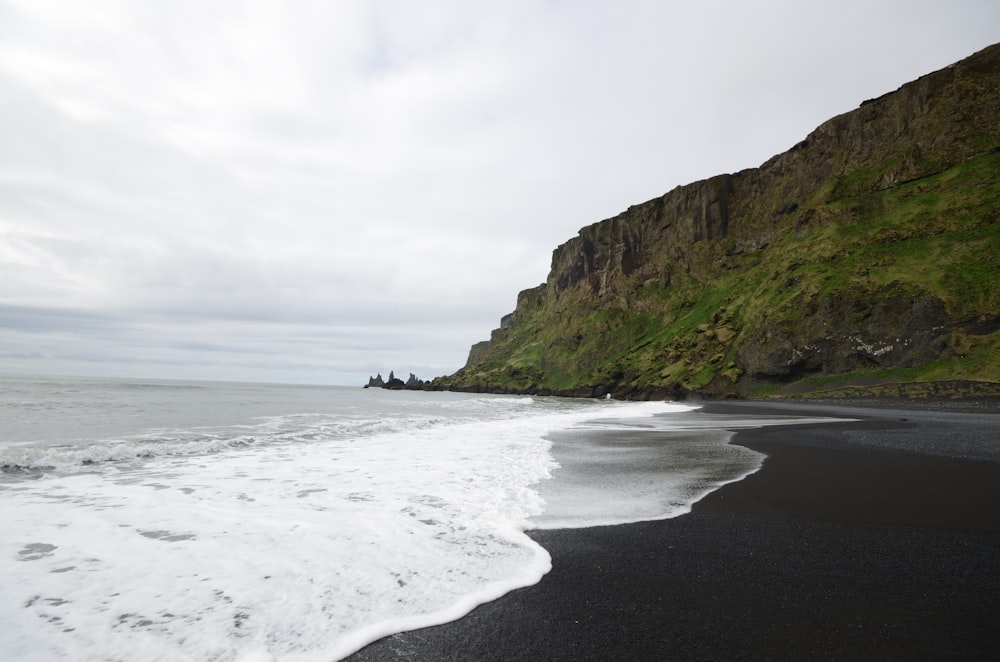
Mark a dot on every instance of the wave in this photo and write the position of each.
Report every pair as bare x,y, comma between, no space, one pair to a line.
295,428
366,520
287,429
19,459
282,430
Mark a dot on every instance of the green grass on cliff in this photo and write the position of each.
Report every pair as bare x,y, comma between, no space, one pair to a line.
937,235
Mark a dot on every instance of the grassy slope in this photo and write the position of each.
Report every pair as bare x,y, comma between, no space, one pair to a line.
940,235
937,236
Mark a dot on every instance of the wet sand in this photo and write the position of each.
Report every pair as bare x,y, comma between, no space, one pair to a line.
870,540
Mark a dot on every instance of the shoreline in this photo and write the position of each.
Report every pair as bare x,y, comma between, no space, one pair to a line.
877,538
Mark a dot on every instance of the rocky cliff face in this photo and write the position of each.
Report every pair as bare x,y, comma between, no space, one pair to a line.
872,245
901,137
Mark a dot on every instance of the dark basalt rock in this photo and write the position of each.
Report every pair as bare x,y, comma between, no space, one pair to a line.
413,383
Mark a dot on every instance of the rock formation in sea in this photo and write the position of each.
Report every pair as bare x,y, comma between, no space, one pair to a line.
413,383
865,257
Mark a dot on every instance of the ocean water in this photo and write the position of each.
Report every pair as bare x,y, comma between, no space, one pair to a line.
166,520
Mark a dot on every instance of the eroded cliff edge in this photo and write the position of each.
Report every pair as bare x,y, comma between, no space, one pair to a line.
868,253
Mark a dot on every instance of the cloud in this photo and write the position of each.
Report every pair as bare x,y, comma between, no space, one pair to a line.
315,191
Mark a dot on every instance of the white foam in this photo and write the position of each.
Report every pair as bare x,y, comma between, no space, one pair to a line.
283,429
308,535
280,549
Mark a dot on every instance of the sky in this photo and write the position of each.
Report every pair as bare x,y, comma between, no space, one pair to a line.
317,191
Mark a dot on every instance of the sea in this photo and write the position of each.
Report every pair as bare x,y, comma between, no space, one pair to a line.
183,520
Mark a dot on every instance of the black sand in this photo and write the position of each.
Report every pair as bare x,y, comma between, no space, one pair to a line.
874,540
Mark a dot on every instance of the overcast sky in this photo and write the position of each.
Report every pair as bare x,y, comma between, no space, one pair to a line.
316,191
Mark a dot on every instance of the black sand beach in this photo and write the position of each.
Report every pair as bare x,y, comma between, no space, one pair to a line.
869,540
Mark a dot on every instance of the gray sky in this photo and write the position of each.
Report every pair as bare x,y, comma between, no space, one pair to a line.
317,191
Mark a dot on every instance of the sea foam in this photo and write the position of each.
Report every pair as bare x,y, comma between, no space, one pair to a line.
259,522
316,536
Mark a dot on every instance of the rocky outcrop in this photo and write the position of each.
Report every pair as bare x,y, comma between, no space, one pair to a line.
928,125
650,241
871,245
843,334
480,349
413,383
477,352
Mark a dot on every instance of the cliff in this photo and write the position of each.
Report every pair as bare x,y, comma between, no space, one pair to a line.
868,253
